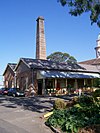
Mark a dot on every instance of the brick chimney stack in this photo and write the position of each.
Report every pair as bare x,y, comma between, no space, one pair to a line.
40,39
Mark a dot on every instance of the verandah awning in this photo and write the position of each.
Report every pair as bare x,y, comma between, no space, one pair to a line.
58,74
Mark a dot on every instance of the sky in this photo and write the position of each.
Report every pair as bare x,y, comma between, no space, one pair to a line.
63,32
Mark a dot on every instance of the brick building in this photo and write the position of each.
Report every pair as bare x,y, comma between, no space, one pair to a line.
9,75
47,76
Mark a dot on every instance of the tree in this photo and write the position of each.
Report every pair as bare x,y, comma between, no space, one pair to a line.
77,7
61,57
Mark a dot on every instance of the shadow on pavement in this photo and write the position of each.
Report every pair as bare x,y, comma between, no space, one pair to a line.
37,104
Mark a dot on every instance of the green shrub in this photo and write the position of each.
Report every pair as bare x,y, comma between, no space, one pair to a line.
57,119
86,100
75,99
59,104
96,94
85,113
96,83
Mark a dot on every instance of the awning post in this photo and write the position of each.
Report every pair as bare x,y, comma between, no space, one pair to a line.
76,85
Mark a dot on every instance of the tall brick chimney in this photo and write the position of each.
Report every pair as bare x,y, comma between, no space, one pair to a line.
40,39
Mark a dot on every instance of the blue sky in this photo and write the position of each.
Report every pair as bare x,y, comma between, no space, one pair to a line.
64,33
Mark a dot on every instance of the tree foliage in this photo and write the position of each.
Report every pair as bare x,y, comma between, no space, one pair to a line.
77,7
61,57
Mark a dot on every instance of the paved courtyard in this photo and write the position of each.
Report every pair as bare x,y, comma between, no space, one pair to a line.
24,115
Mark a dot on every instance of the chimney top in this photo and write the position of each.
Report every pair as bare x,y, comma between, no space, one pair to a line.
40,17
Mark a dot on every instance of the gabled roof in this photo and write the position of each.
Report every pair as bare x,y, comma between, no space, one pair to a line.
91,68
49,65
12,67
95,61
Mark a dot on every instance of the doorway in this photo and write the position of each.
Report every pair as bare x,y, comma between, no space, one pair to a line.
40,84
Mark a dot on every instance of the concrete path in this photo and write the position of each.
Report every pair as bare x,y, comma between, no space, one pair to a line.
24,115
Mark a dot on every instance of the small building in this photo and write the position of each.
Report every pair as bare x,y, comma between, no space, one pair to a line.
52,77
9,75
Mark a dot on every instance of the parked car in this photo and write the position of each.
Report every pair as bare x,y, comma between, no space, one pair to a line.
15,92
1,91
5,91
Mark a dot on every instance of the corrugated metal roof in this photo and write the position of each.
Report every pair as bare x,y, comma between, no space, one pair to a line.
58,74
